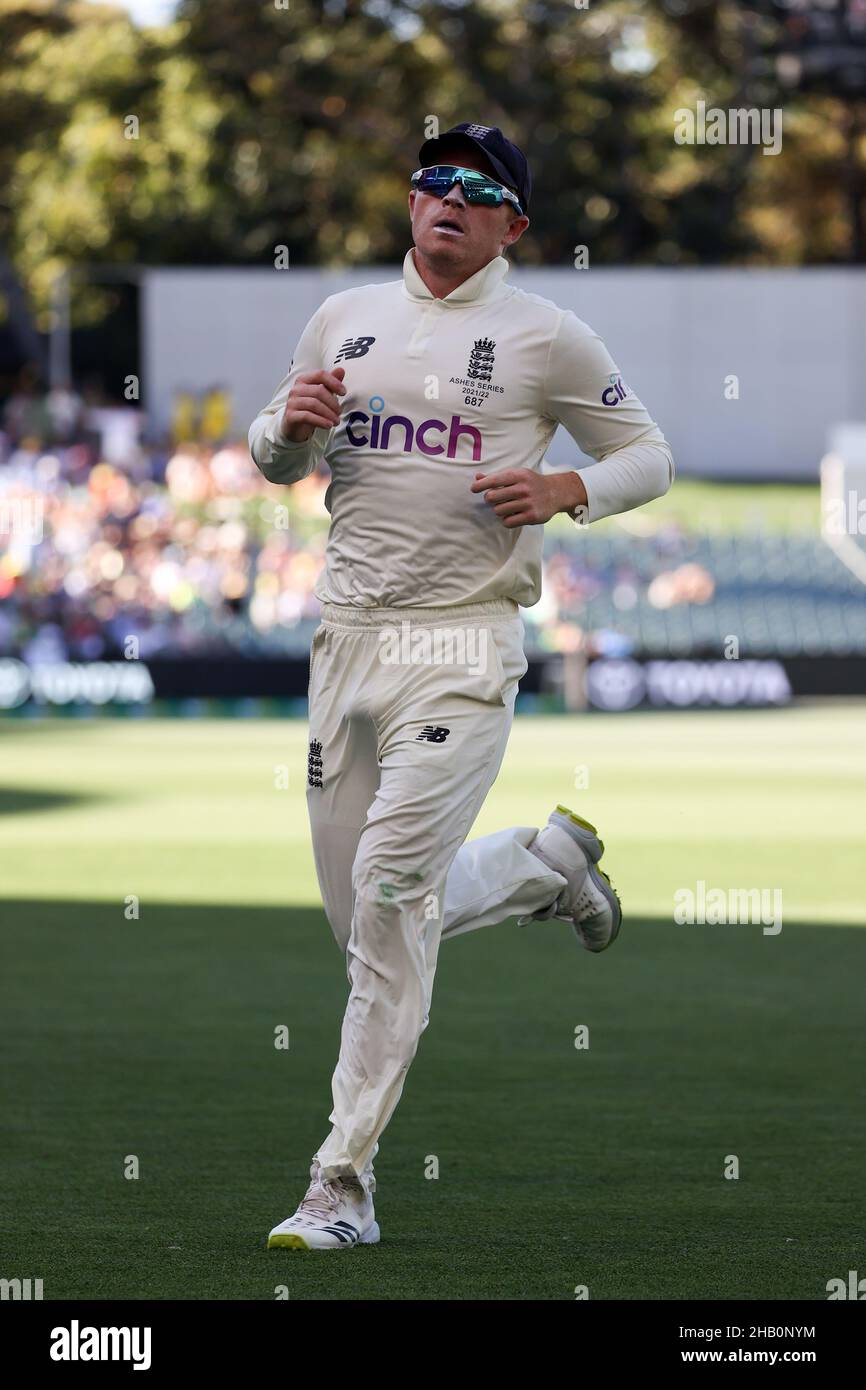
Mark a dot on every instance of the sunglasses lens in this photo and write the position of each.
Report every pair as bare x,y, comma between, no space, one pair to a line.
478,188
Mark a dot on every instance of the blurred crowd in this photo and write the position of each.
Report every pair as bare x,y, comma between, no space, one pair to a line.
183,548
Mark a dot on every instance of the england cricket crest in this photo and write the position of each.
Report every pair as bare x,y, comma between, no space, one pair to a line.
314,764
481,360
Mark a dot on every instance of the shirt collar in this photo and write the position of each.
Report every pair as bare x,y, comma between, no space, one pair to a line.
482,285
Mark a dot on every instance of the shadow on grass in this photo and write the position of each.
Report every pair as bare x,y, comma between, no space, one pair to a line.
44,724
15,801
155,1127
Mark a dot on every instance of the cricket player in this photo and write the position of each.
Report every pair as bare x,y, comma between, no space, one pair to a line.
433,399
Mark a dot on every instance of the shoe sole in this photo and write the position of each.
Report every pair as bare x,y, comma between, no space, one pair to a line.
587,836
295,1242
605,887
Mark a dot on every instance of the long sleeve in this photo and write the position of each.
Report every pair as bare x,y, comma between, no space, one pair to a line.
278,458
584,391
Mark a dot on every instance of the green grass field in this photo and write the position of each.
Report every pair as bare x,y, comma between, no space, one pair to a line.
557,1167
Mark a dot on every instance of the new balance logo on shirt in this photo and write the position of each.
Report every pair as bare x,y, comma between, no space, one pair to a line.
433,734
354,347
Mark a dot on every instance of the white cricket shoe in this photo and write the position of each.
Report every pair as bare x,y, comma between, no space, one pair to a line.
570,845
335,1214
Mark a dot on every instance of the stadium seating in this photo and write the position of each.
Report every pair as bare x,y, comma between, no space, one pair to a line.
182,549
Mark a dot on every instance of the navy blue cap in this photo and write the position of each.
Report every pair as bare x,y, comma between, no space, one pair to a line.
509,163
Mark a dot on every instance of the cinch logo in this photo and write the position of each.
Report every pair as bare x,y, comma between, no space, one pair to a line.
417,437
616,392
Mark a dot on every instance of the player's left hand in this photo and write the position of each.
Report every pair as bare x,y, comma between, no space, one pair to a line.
521,497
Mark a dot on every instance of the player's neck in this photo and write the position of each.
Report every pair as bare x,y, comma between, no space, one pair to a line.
440,286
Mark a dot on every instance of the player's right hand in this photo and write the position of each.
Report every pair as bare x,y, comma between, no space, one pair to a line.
313,404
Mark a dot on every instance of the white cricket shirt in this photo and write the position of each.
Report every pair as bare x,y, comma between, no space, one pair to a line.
437,391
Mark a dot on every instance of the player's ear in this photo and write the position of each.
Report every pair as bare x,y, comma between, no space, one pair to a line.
516,227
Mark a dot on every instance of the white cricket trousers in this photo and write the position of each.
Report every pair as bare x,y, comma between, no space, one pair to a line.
410,711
